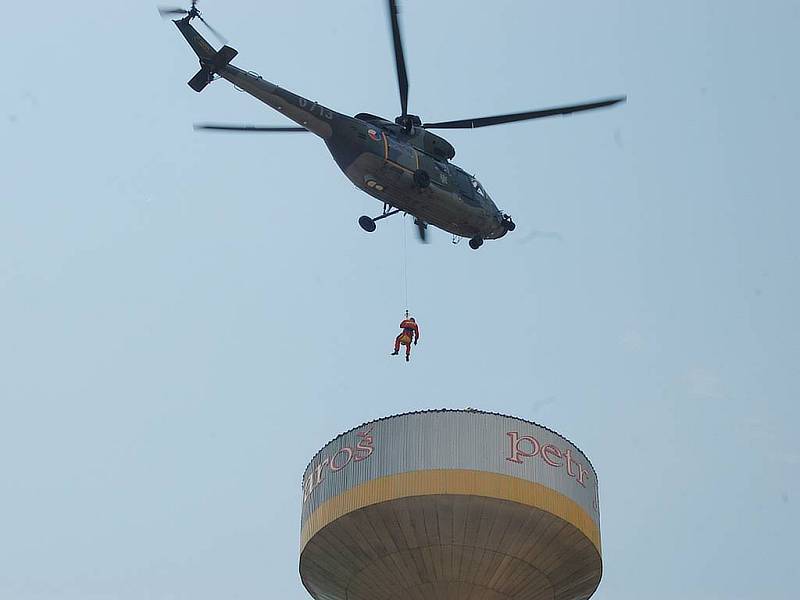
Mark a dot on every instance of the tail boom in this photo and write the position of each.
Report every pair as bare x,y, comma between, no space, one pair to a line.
311,115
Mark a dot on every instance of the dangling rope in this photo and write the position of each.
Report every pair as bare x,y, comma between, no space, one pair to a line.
405,265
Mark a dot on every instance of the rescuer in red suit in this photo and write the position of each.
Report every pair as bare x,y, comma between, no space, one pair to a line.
410,333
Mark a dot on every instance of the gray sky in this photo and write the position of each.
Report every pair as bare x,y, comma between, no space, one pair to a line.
187,318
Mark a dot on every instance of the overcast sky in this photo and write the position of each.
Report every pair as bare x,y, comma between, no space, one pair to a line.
185,318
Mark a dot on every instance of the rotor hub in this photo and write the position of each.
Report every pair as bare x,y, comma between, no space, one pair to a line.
408,122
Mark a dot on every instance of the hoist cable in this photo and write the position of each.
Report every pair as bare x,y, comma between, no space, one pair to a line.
405,263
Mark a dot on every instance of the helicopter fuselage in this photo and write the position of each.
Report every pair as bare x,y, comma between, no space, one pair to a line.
387,166
379,157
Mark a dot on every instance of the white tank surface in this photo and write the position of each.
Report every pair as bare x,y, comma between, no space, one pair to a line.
450,505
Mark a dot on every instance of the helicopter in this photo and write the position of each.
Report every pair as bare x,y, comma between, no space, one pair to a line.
400,163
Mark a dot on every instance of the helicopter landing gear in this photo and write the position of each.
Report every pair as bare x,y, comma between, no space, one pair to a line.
368,223
476,243
508,223
422,179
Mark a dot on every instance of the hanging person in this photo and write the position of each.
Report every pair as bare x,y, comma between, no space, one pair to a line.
409,334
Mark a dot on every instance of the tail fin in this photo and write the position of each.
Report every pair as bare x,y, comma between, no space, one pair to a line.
211,61
208,67
201,80
201,47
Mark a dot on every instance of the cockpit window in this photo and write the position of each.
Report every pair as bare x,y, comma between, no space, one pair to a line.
478,187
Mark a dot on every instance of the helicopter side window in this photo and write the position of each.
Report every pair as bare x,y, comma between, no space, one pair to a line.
401,154
464,185
441,166
438,169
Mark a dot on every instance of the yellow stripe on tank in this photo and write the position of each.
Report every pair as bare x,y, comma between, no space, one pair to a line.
451,481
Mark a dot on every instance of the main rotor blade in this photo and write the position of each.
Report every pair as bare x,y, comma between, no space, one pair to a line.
524,116
399,57
216,33
245,128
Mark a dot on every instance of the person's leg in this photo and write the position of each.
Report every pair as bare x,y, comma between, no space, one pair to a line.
408,350
397,344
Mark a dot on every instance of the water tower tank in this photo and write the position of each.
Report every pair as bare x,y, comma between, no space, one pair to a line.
450,505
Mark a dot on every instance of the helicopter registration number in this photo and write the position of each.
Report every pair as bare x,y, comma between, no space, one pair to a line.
314,108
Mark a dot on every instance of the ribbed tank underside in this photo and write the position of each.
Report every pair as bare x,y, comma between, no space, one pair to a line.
450,547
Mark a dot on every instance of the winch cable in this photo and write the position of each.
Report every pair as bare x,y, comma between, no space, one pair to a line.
405,265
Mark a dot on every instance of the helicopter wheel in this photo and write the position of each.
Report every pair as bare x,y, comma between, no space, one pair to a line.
367,224
421,178
510,226
475,243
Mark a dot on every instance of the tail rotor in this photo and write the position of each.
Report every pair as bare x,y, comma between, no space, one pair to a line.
190,14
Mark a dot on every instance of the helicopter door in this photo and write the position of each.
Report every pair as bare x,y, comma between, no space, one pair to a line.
402,155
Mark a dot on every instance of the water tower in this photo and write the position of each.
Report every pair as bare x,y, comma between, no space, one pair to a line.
450,505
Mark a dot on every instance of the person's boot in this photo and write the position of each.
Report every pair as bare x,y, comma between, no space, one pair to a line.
408,358
395,353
